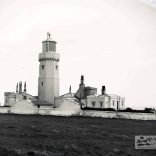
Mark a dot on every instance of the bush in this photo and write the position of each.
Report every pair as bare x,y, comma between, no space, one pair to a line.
129,109
149,110
146,110
99,109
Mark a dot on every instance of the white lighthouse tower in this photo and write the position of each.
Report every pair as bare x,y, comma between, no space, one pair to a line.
48,81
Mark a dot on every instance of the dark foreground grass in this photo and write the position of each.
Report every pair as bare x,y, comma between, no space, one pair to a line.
58,136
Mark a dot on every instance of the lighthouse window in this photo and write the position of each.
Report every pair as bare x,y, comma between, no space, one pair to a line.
101,104
42,83
42,66
56,67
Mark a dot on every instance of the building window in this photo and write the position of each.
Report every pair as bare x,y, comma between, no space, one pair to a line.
118,105
93,104
122,103
42,83
113,102
101,104
42,66
38,106
56,67
6,100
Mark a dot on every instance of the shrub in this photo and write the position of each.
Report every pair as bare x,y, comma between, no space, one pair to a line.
99,109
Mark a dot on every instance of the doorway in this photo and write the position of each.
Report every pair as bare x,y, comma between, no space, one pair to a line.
117,105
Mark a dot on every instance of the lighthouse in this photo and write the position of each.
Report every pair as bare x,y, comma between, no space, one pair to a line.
48,81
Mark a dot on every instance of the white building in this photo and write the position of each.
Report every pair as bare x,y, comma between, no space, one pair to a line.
48,89
12,97
89,98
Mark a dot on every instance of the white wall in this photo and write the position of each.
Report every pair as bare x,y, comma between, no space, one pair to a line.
119,115
58,101
23,107
4,109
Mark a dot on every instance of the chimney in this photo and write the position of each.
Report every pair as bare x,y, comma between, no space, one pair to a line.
20,87
82,80
70,89
17,88
103,90
25,85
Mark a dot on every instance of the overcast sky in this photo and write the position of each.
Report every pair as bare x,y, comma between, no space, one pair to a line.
110,42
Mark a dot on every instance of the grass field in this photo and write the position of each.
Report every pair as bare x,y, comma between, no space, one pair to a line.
58,136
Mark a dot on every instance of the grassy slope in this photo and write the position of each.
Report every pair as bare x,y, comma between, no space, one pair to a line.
48,135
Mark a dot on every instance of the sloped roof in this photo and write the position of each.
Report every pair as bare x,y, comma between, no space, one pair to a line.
88,87
93,95
103,95
67,95
113,95
7,93
27,101
24,93
117,96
